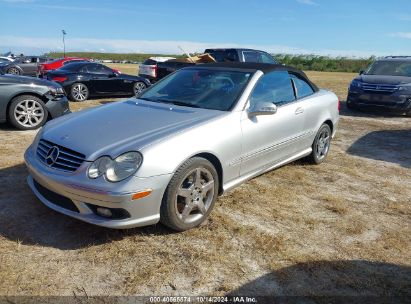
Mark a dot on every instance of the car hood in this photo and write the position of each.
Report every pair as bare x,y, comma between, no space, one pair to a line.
119,127
382,79
29,80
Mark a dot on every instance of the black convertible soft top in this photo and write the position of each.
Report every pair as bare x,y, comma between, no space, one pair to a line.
253,67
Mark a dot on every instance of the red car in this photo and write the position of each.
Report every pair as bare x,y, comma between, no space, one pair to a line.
43,68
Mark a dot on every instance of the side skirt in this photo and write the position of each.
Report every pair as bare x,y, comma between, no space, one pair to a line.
232,184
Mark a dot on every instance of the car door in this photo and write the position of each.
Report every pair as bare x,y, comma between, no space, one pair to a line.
29,65
270,139
103,80
309,102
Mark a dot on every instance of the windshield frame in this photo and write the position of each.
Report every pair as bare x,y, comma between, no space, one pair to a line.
198,68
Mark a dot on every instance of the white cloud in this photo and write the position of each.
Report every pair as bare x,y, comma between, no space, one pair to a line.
307,2
41,45
406,35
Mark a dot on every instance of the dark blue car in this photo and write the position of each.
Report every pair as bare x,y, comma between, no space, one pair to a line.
386,84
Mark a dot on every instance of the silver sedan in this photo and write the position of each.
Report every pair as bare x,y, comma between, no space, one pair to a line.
167,155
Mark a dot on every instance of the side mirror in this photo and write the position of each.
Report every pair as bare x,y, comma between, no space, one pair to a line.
113,75
361,72
262,108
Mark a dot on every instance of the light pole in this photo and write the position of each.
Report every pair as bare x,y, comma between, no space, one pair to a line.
64,43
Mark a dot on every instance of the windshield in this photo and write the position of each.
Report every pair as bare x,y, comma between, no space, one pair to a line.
390,68
200,88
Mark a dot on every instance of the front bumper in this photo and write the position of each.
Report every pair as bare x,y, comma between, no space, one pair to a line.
77,187
58,106
394,102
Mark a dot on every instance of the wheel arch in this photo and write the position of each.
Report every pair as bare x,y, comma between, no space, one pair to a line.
330,124
42,97
17,67
214,161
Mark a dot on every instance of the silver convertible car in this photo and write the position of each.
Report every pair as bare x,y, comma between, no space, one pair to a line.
166,155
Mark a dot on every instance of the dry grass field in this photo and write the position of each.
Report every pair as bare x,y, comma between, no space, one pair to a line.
339,228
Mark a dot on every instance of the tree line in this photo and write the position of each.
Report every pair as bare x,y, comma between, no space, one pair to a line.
303,62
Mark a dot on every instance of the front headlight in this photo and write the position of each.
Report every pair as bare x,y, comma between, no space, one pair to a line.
404,88
56,91
356,83
118,169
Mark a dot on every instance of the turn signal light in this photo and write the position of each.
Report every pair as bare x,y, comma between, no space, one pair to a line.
141,194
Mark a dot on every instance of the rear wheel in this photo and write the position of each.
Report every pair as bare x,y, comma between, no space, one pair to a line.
27,112
321,145
79,92
139,87
190,195
408,114
14,71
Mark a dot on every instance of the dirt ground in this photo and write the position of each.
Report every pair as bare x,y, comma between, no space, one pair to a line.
342,227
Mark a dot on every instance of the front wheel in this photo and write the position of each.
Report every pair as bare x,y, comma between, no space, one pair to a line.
79,92
138,88
321,145
13,71
27,112
190,195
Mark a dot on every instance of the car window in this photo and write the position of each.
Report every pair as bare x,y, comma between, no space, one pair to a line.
302,87
223,55
275,87
98,69
202,88
84,69
250,56
265,58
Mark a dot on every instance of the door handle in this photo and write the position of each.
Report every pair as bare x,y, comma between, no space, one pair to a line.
299,111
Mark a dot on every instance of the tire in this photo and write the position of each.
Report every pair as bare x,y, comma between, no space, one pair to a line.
408,114
79,92
27,112
190,195
321,145
138,87
13,71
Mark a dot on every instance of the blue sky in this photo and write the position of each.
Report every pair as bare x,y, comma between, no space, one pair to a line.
327,27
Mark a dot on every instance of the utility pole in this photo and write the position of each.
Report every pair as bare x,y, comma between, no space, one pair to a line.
64,43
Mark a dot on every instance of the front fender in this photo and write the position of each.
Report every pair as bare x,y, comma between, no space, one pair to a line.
222,138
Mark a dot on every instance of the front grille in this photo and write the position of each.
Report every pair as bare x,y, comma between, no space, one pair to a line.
59,157
382,88
55,198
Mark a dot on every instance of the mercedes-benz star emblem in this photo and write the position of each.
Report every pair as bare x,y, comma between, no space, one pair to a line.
52,156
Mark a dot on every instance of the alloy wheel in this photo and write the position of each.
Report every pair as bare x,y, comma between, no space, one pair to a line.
79,92
13,71
29,113
323,144
139,87
194,195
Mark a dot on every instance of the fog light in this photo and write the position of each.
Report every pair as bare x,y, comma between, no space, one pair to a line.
104,212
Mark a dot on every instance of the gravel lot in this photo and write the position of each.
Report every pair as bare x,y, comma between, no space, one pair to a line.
339,228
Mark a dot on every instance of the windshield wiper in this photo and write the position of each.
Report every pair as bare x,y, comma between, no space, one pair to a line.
147,99
178,103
